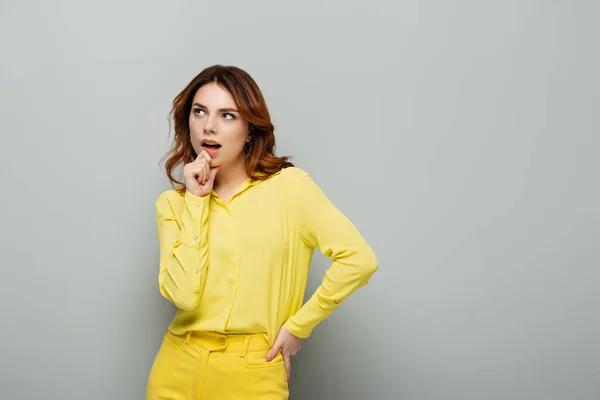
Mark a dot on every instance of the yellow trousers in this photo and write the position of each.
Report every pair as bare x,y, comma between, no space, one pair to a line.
212,366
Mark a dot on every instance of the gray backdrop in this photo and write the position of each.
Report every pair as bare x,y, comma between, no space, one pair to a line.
460,137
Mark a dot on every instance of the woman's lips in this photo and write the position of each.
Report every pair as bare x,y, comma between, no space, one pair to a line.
211,150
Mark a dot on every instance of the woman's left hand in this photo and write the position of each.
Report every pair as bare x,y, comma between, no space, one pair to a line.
289,345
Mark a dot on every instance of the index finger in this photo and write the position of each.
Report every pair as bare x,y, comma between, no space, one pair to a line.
288,365
203,154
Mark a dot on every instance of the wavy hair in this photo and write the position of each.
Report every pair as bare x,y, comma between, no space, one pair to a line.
261,162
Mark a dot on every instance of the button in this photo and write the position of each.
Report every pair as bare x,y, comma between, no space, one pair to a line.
196,271
197,205
195,237
223,341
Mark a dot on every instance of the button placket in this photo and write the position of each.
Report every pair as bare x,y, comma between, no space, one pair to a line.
228,226
234,271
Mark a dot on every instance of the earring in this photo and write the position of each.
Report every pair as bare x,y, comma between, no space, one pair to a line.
248,145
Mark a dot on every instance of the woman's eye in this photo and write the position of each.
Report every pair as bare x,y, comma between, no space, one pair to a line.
197,111
228,114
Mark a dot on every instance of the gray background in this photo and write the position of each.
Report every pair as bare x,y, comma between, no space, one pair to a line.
460,137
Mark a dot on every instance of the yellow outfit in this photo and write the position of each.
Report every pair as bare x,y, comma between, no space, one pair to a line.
214,366
240,269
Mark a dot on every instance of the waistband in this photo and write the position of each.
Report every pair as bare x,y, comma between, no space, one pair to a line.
214,341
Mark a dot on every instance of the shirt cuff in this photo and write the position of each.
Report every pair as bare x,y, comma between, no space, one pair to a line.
296,330
194,218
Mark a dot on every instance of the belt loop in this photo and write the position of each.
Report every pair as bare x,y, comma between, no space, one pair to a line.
246,345
188,336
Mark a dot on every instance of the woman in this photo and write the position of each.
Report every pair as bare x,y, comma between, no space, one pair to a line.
236,239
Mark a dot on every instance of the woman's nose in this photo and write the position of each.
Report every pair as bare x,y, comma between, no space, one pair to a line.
209,126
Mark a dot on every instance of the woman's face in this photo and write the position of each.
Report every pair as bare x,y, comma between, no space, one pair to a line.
217,127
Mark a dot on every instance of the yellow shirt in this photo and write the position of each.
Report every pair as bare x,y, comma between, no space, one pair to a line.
242,267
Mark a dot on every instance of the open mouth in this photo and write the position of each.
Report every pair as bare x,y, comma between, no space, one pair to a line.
211,145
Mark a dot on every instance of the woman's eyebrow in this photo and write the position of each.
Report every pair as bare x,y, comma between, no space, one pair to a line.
220,109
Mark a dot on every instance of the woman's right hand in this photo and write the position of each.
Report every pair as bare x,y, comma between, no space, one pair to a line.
199,176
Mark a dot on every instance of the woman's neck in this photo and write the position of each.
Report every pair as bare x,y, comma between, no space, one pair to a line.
230,176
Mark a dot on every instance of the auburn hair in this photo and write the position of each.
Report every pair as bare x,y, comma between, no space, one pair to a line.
261,162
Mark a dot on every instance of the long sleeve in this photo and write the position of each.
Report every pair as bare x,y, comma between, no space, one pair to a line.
321,225
183,244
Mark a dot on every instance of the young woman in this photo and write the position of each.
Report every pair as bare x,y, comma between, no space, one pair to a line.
236,239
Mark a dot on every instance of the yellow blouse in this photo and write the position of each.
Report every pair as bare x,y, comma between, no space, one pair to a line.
242,267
